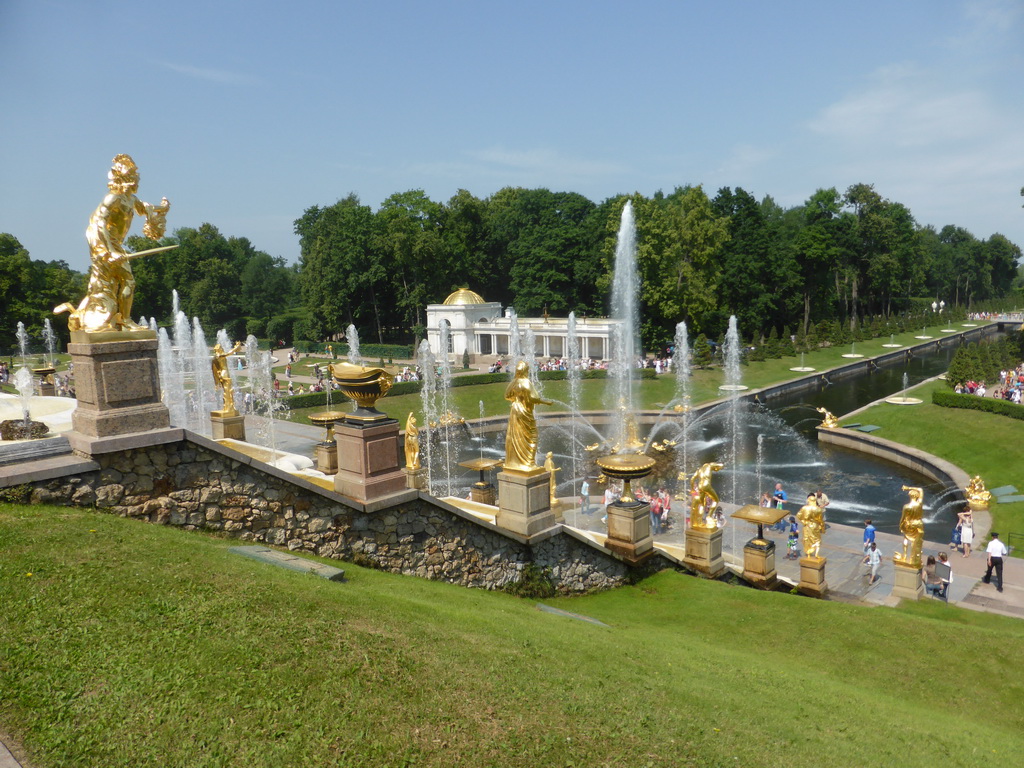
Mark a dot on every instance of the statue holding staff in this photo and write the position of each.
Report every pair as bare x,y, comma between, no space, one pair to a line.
107,304
222,376
521,439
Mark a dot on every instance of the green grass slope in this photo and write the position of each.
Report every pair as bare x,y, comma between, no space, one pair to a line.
131,644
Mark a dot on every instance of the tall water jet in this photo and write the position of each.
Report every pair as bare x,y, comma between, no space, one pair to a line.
22,336
205,392
428,369
625,290
448,419
682,364
733,385
265,402
353,344
515,347
575,376
50,340
172,387
530,353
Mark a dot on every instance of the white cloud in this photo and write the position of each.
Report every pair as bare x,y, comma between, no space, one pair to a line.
221,76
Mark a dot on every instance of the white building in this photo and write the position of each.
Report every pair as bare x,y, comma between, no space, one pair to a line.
483,328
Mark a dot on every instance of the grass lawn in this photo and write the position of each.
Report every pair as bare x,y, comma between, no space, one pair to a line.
651,395
983,444
128,644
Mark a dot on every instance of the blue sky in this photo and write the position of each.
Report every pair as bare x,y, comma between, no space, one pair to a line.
246,113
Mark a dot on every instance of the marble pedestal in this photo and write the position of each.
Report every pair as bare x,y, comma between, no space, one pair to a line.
227,427
326,455
629,529
524,503
47,388
812,576
907,582
759,563
117,384
368,460
484,493
704,551
415,479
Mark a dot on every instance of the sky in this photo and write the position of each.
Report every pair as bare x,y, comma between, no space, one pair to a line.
245,114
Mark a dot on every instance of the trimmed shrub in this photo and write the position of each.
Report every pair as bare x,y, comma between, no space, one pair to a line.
973,402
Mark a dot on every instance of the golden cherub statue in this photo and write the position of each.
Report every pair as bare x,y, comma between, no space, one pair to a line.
222,377
412,443
828,421
812,523
704,500
521,439
107,305
912,528
977,497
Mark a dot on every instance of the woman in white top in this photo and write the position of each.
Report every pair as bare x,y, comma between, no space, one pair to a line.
966,530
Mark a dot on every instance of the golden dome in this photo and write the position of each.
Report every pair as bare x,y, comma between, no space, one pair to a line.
465,296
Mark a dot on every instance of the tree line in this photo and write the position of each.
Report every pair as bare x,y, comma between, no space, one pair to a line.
847,257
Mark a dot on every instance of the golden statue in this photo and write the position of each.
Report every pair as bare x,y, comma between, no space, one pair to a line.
222,377
812,521
702,513
412,443
912,528
107,305
977,497
549,465
828,421
521,439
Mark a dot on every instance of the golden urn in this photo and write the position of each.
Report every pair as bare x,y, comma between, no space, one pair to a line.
364,386
626,467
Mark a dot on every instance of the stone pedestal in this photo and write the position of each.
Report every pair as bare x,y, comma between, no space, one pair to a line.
524,502
326,456
227,427
415,479
47,388
812,577
368,460
907,582
117,385
629,529
759,563
484,493
704,551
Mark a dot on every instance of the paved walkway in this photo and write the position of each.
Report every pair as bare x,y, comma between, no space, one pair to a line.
847,577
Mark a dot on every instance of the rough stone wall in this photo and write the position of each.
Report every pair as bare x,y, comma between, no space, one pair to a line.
187,485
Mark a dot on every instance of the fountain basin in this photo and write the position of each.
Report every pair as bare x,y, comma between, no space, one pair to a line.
803,369
853,355
54,412
733,387
900,400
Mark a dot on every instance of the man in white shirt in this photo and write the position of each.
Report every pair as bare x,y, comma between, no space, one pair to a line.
996,552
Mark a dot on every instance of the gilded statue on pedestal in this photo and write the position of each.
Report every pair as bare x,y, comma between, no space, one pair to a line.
977,497
828,420
412,443
107,305
704,500
549,465
521,440
812,521
222,376
912,528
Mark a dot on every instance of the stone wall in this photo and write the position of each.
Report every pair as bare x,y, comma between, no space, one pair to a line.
197,485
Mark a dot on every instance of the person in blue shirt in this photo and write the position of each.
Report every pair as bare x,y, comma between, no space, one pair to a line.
779,498
869,535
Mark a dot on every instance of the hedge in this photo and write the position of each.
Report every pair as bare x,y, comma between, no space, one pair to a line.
973,402
366,351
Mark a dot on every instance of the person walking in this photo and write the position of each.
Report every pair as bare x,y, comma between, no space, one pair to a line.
585,496
779,500
996,551
874,559
869,535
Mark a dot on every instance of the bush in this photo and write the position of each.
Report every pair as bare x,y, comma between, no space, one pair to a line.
280,329
534,582
973,402
256,326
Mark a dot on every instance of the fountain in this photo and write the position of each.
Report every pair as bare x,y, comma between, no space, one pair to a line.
853,354
353,344
924,334
625,292
802,368
892,342
902,398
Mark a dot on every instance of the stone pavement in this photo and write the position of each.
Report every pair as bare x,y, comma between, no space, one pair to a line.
847,577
